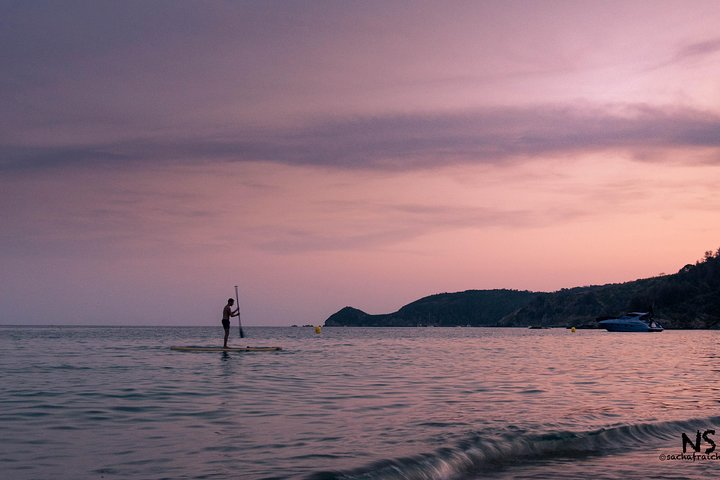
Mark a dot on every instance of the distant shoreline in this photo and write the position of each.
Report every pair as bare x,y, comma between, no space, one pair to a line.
331,326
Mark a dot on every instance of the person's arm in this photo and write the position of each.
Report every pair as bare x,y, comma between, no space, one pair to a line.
236,312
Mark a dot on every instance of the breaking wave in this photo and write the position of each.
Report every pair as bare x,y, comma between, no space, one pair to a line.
479,454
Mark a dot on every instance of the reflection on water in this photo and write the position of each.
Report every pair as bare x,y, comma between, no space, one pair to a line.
363,403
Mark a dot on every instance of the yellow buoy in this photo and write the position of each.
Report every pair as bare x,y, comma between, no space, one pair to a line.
572,329
318,329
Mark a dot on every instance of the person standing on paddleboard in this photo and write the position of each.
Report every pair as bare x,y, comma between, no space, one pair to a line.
227,313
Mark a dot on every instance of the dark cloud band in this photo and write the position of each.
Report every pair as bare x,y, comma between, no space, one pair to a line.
405,142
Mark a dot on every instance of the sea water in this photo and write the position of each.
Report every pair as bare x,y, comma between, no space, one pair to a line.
357,403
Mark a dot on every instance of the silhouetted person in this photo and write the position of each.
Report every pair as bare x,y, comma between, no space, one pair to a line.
227,313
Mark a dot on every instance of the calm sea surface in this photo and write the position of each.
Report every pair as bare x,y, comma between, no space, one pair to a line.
355,403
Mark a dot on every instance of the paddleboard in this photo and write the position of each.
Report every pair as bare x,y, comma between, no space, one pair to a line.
191,348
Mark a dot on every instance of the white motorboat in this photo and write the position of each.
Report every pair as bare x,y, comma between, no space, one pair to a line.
632,322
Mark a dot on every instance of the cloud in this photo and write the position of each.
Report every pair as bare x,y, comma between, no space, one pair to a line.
698,49
78,214
405,142
690,52
387,224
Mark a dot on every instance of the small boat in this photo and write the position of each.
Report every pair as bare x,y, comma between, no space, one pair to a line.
632,322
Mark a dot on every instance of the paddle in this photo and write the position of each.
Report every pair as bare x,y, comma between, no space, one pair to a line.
237,302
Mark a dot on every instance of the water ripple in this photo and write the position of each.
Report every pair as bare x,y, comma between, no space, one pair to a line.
352,403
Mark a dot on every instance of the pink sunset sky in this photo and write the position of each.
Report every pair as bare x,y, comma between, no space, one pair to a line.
323,154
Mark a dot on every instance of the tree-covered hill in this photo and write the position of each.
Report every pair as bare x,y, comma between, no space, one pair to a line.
473,307
689,298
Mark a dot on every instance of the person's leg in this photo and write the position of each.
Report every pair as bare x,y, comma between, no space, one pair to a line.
227,333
